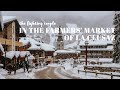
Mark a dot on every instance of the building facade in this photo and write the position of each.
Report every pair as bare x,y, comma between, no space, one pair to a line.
97,49
9,36
66,54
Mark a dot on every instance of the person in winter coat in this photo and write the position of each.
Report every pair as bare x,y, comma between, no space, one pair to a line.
78,71
24,66
9,68
27,65
14,68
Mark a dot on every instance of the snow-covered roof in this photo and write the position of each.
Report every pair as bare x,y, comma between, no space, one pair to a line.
23,53
99,59
31,57
65,51
109,48
47,47
97,42
91,43
35,45
72,45
17,54
1,47
11,54
26,40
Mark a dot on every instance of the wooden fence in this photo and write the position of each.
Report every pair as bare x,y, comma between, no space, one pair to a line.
96,73
102,69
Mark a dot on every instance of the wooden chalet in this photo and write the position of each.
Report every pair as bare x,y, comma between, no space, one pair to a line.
66,54
6,35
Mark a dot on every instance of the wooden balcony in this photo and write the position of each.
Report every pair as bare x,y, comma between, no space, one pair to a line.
9,42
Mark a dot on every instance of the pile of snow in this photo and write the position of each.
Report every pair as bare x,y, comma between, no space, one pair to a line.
2,77
74,71
67,66
2,73
53,65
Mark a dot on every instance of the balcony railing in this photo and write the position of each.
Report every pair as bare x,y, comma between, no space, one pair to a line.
9,42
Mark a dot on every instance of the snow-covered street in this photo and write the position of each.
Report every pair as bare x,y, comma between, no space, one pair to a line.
52,71
63,70
20,74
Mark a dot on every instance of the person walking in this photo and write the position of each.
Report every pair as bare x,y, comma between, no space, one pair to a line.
9,68
23,65
14,68
78,71
27,66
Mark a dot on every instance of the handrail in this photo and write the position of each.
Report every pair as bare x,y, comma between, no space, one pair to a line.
9,42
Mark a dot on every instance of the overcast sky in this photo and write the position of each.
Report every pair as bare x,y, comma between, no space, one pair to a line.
86,14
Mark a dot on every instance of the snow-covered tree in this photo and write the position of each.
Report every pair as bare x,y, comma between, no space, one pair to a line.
116,42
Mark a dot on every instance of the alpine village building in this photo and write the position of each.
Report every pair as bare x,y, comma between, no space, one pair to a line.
41,51
11,50
62,53
95,49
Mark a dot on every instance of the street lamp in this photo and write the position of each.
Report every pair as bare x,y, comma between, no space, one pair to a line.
86,44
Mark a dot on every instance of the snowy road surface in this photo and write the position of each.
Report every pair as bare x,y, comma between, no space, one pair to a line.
53,73
47,74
